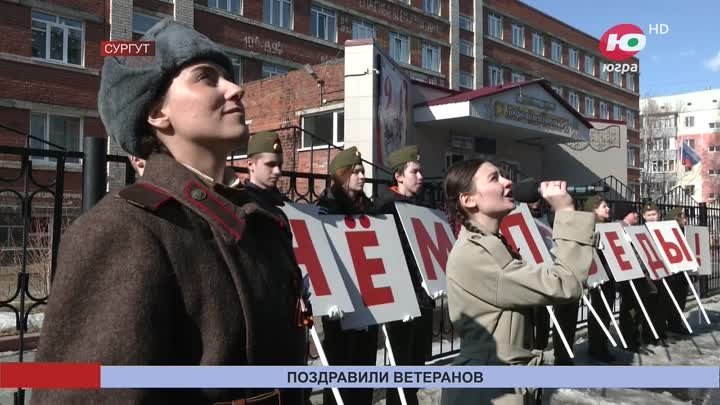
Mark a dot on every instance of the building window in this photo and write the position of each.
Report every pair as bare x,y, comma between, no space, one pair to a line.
556,51
323,129
574,58
495,75
237,69
617,113
517,77
495,26
630,119
632,161
518,35
558,90
538,44
714,125
690,190
714,148
431,57
589,106
400,47
363,29
574,100
65,132
278,13
142,23
630,81
690,143
271,69
322,23
466,48
57,39
690,121
466,23
467,80
604,113
590,65
603,72
713,172
232,6
432,6
617,78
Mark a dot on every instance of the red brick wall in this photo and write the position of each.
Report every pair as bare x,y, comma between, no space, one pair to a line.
16,119
91,6
543,67
261,40
467,64
467,35
549,25
15,29
466,7
301,18
155,5
48,85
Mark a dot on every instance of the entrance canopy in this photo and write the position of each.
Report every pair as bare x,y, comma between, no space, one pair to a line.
526,111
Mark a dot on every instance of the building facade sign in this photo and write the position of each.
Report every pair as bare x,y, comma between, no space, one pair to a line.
534,118
601,140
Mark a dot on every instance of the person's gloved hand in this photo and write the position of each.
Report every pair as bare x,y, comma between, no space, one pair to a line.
334,313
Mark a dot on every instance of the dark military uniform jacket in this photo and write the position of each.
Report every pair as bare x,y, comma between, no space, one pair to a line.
271,200
387,206
173,271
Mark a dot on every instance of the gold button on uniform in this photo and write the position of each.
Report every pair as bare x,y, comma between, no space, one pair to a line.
198,194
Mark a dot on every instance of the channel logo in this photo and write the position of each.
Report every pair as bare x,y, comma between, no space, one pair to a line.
622,42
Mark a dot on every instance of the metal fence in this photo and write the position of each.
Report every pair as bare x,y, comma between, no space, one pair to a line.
28,192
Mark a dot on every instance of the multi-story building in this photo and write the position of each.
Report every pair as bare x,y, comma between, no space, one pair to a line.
670,123
50,56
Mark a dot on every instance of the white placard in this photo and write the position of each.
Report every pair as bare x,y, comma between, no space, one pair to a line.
315,257
597,274
431,240
618,252
370,258
521,232
674,249
648,251
698,238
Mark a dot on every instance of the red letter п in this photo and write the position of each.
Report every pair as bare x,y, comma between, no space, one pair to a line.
305,254
365,268
427,247
517,220
618,250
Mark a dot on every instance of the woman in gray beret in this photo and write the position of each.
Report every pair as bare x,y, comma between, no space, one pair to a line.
181,268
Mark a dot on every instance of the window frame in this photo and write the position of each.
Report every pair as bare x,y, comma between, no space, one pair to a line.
463,23
45,160
432,6
268,14
689,119
617,113
495,23
592,64
228,3
630,81
556,45
499,71
592,106
538,39
576,52
469,45
336,123
571,95
436,59
267,66
520,30
66,36
517,75
363,25
316,11
405,44
604,112
467,75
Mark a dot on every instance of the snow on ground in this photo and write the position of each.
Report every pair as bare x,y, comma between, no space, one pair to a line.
8,322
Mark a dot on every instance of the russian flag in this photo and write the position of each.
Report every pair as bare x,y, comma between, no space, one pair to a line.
689,157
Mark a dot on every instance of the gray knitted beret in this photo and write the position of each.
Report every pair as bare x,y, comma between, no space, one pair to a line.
129,85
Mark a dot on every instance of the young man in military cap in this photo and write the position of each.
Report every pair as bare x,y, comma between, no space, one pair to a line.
183,267
597,341
265,160
412,340
631,316
656,304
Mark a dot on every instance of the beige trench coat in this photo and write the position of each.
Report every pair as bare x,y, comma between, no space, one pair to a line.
492,292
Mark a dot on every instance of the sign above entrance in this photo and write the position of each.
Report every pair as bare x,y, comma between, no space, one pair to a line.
530,116
600,139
